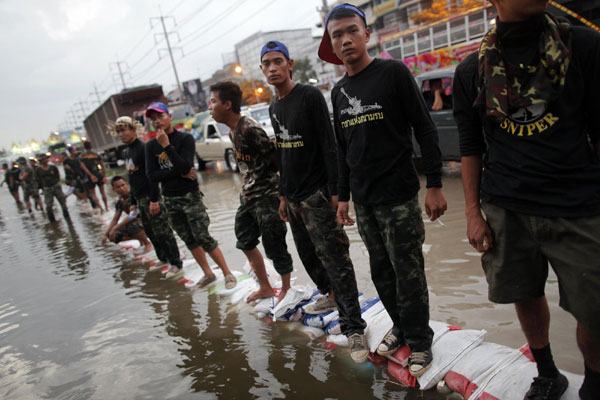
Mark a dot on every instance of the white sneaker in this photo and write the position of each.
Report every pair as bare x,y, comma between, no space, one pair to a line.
358,348
173,271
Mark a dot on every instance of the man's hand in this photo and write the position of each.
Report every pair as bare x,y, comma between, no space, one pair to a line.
132,208
435,203
342,214
104,237
154,208
479,233
190,175
162,138
334,202
112,234
93,178
283,209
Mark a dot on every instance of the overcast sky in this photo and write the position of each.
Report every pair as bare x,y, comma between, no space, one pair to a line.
54,50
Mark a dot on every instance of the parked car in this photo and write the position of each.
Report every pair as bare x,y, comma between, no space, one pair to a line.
213,144
260,113
443,119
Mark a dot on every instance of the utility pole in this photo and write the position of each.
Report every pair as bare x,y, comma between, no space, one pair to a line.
169,49
97,93
118,64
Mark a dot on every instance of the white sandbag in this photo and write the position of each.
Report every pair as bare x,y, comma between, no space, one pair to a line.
271,273
294,298
333,328
512,378
129,244
377,328
447,351
471,370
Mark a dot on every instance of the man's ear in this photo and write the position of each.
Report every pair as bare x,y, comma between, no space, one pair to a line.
227,105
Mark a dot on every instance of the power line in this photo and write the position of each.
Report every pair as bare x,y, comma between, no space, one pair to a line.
215,21
238,25
194,13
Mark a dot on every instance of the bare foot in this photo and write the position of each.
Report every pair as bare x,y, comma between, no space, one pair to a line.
261,294
281,295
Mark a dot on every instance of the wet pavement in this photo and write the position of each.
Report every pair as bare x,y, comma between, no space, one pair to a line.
80,321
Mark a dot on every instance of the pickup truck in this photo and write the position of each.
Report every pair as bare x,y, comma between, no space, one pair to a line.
212,141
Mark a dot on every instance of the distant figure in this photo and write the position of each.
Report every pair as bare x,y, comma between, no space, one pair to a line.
30,185
95,173
436,98
50,179
11,177
129,227
74,175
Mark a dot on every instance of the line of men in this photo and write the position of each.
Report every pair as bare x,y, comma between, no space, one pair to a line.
525,101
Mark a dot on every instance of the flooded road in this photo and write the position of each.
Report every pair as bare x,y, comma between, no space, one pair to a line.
80,321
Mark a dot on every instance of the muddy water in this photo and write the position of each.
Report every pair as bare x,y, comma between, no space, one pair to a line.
80,321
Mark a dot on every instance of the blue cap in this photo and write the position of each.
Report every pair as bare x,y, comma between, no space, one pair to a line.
274,45
158,107
326,49
70,148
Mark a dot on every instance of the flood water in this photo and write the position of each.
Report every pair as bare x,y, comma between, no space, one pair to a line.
81,321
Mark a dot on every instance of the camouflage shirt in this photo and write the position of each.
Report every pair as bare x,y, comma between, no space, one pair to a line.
254,152
30,181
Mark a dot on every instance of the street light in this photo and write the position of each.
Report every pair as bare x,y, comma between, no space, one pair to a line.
239,70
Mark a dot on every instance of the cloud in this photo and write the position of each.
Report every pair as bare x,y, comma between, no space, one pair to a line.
70,17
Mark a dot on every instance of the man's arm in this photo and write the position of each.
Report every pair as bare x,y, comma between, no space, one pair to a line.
183,161
326,138
87,172
103,169
111,225
472,146
426,134
343,175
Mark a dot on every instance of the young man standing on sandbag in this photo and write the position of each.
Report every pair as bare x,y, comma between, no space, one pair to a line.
376,107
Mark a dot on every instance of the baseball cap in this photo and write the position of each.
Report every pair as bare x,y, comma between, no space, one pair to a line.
325,49
158,107
274,45
70,148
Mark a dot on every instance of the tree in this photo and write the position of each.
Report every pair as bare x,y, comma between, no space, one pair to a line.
303,70
251,89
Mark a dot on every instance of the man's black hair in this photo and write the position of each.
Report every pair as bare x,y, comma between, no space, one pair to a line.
5,166
342,13
116,178
87,145
229,91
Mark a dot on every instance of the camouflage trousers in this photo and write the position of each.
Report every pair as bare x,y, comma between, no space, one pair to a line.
260,217
31,191
51,192
323,246
394,236
159,232
189,219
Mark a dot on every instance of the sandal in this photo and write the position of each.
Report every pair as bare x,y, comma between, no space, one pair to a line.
230,281
206,280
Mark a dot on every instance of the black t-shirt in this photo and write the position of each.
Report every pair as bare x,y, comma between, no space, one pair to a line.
306,144
72,168
48,177
135,164
165,165
91,160
375,113
539,161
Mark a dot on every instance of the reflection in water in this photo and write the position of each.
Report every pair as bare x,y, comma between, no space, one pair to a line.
78,320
